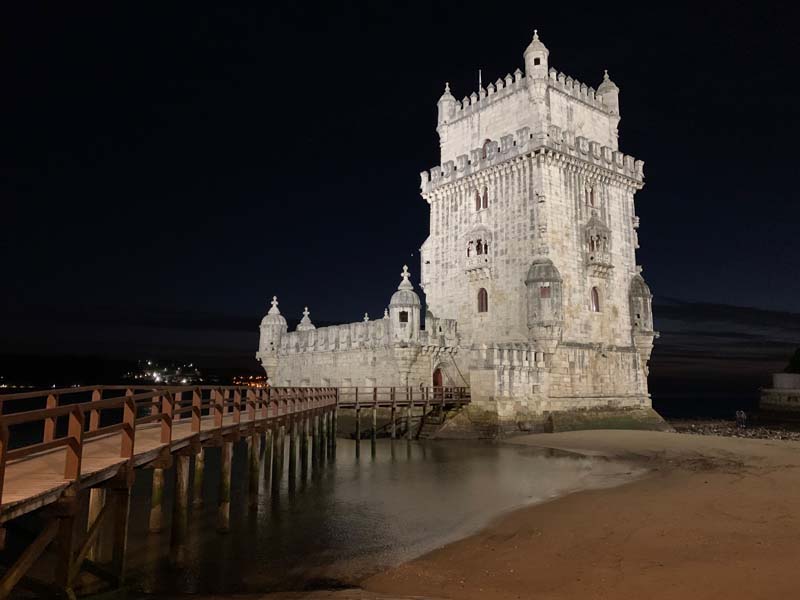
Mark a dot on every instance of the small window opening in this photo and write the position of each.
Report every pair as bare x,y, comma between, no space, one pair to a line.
537,61
483,301
485,198
403,316
544,291
477,200
479,247
595,300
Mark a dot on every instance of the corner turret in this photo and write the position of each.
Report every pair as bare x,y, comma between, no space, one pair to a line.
404,311
536,59
273,328
608,92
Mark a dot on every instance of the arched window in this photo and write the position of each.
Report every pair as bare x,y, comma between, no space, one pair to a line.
469,249
477,200
479,247
483,301
485,197
595,300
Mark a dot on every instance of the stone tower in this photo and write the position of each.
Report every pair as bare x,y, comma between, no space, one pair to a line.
532,243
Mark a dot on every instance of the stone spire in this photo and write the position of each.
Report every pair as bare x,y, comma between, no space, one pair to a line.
305,323
536,60
274,308
405,284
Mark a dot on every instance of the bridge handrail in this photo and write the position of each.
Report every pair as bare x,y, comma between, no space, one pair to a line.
273,403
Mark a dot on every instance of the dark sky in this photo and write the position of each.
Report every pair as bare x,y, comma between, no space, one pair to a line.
166,169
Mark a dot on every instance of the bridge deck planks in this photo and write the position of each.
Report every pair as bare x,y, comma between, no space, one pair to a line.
30,482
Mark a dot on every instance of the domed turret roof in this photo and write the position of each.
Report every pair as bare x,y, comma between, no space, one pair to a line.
639,289
536,44
405,295
274,316
607,85
305,323
447,96
542,269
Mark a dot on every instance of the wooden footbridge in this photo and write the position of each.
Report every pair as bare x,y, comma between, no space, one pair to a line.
63,448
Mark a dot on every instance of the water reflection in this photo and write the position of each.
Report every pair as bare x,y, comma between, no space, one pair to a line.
351,516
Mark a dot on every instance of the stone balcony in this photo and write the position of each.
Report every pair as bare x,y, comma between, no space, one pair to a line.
478,266
598,263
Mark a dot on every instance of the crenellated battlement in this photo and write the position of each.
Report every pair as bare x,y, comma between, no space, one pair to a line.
362,335
523,142
576,89
493,92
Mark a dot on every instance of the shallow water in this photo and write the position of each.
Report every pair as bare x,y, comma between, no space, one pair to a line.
355,517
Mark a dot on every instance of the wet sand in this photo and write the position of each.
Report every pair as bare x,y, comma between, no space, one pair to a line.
715,518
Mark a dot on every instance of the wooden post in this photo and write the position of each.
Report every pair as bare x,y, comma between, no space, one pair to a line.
358,430
409,396
276,458
167,410
197,409
394,414
3,455
224,503
292,449
65,540
28,558
268,443
374,419
254,456
314,434
50,422
180,506
121,499
156,524
304,447
97,500
94,415
199,475
72,464
323,444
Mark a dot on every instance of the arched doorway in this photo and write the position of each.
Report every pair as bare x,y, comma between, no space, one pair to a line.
437,383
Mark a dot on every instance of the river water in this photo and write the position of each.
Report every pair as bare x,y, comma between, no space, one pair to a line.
354,518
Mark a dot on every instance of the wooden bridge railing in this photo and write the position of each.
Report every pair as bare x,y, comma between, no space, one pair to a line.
134,408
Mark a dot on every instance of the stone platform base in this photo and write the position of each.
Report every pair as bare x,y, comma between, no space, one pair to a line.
474,422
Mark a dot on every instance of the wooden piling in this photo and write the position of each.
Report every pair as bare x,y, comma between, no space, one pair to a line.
180,505
268,458
97,500
254,458
224,502
121,500
156,523
304,448
293,426
374,437
199,474
409,434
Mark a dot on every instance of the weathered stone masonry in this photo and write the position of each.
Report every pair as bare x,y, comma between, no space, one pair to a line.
533,294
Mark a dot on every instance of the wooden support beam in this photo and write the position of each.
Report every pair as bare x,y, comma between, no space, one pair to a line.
97,503
292,450
199,475
180,505
358,431
254,458
224,502
304,447
120,497
29,556
74,455
268,450
156,522
89,543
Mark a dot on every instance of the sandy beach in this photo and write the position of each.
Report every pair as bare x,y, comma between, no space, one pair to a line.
715,518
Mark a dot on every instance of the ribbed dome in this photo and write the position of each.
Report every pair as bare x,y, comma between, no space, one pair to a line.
536,45
542,269
607,85
405,295
639,288
274,316
447,96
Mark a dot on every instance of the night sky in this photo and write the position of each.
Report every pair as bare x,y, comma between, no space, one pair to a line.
167,169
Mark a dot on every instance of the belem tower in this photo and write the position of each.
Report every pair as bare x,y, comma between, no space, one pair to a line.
533,297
